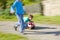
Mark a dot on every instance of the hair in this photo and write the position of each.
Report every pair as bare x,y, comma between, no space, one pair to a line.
31,16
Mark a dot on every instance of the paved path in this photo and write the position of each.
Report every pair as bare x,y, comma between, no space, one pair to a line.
41,32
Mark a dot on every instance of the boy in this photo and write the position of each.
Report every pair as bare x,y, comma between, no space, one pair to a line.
19,13
28,22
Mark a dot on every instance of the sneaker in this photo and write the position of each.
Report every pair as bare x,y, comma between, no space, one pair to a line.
15,27
22,33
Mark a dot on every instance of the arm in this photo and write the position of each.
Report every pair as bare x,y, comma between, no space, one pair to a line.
12,8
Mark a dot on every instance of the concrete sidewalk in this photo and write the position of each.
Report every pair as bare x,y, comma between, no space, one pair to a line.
41,32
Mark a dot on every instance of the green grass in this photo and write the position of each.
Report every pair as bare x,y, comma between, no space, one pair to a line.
46,19
4,36
37,19
8,18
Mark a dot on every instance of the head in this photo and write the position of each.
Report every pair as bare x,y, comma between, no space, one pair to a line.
30,17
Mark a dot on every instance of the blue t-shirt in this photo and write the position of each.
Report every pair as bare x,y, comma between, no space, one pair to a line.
18,6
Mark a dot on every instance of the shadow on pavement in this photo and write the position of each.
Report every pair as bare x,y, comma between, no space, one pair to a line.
38,27
35,32
56,33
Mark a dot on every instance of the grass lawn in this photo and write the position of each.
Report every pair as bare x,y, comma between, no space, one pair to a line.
37,19
46,19
4,36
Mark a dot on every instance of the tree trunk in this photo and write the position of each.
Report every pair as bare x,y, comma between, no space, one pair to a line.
4,4
42,8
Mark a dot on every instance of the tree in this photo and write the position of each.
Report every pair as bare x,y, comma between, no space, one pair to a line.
3,3
41,7
32,0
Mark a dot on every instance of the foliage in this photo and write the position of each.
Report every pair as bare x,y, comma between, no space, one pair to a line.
5,12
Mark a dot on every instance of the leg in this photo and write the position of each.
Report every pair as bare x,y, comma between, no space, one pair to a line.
18,23
21,21
26,25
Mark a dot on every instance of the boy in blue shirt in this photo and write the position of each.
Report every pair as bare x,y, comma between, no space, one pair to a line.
19,13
